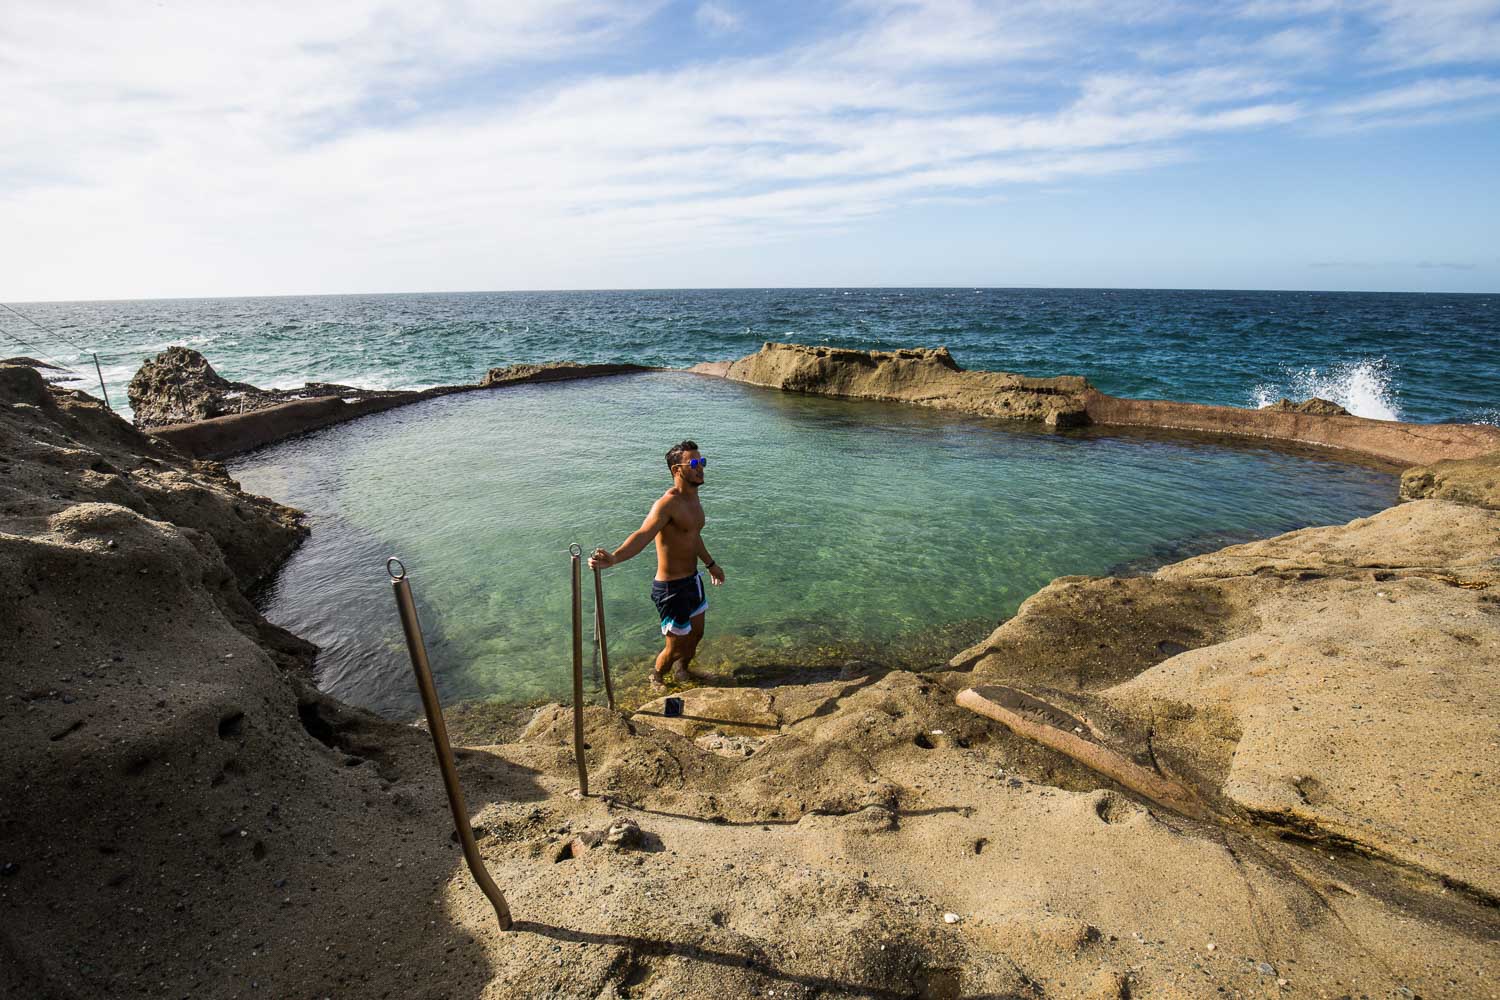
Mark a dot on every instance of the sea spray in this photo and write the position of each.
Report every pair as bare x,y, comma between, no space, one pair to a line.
1366,388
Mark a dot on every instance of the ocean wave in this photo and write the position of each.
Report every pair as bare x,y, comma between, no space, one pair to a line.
1366,388
195,340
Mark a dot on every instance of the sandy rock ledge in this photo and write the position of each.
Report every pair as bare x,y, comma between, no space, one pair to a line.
184,815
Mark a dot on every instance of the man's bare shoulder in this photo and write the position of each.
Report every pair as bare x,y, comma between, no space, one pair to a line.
669,501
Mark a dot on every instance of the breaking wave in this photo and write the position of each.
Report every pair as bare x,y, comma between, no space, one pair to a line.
1365,388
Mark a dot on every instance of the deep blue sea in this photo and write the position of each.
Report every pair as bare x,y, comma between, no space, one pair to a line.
1420,357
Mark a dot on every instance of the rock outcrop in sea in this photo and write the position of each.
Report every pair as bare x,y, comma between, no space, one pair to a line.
1322,407
185,814
179,386
933,378
925,377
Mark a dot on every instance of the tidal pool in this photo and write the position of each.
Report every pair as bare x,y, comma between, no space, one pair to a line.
847,529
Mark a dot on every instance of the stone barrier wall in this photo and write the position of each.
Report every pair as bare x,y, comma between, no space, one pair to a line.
1393,441
237,433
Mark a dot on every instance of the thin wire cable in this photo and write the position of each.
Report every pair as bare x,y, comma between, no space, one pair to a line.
65,340
40,355
103,392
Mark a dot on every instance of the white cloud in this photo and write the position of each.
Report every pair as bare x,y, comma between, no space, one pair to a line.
1418,94
1414,33
1417,103
1302,43
717,18
362,145
1395,34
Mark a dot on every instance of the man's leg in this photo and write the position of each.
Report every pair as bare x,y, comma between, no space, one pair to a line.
675,648
689,649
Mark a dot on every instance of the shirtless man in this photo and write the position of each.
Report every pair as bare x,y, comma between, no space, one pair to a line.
676,522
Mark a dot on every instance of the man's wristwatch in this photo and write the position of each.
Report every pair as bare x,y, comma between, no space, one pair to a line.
710,564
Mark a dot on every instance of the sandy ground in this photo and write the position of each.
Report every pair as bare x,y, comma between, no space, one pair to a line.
184,816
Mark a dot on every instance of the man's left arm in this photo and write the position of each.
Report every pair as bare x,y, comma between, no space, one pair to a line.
715,571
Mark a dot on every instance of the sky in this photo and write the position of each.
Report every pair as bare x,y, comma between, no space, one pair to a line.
159,148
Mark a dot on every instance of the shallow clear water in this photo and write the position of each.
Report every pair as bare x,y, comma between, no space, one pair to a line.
1425,357
875,530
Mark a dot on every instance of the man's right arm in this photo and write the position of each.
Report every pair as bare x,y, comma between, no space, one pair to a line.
638,540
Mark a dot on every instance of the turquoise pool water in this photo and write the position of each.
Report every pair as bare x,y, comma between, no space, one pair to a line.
847,529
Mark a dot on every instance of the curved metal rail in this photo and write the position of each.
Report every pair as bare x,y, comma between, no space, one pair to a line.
416,646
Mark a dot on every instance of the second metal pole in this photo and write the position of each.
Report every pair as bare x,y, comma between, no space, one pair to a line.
583,768
100,372
609,688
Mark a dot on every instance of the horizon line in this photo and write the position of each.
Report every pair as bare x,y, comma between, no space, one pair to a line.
750,288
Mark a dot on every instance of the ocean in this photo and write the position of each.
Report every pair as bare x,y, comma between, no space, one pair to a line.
1418,357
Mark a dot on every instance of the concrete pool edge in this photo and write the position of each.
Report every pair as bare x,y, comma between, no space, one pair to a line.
231,434
917,376
931,378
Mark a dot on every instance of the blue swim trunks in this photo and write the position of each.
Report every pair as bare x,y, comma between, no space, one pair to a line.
679,602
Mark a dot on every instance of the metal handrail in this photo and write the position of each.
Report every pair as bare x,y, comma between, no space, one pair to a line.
416,646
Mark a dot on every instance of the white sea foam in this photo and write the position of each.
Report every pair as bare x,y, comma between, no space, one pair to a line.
1365,388
377,380
156,347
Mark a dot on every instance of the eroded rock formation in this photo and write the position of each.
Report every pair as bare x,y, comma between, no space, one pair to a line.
179,386
1334,682
1322,407
181,806
59,448
1473,481
925,377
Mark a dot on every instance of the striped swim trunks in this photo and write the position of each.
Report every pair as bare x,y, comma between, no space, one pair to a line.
679,602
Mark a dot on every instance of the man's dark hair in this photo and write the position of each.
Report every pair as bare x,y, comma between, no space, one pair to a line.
674,453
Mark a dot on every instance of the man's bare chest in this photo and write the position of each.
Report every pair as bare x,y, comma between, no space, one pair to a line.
688,518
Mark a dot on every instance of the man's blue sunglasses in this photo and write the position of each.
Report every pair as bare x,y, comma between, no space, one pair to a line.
695,463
